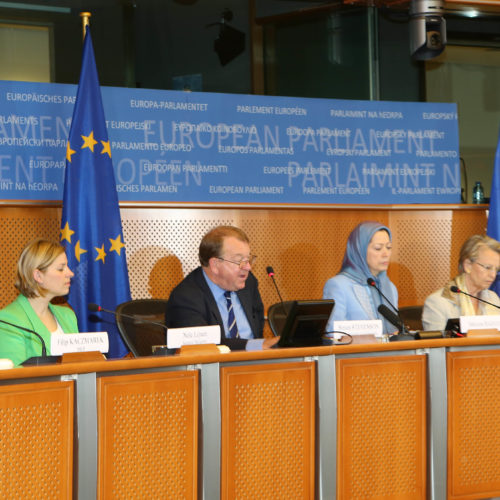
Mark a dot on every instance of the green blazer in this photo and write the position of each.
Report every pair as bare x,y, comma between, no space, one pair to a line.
18,345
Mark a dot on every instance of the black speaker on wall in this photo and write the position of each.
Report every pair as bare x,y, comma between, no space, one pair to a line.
229,44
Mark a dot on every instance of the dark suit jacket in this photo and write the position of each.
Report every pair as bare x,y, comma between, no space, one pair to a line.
191,303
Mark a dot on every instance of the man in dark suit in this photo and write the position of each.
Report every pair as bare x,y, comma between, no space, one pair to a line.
222,291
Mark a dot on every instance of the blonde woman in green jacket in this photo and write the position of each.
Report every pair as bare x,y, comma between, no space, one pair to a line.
42,275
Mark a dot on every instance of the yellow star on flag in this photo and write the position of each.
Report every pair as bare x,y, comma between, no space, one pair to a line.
116,244
101,254
106,148
69,152
66,232
89,141
79,251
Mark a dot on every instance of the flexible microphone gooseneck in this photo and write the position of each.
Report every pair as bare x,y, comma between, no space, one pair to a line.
372,283
35,360
455,289
97,308
270,273
391,317
396,321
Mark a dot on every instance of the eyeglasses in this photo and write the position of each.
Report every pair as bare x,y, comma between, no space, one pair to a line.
243,262
487,267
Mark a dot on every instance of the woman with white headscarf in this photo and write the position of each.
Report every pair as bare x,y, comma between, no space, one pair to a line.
367,255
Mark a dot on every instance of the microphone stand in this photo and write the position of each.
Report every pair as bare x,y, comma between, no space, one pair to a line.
270,273
372,283
455,289
396,321
96,308
389,315
35,360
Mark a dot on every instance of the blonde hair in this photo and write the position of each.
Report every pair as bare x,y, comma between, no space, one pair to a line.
39,254
470,249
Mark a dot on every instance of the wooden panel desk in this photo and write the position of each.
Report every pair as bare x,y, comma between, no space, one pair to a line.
361,421
473,409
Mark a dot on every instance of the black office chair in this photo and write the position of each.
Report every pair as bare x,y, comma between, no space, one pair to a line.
412,317
140,336
276,316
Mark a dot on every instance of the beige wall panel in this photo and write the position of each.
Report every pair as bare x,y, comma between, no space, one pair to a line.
18,226
305,246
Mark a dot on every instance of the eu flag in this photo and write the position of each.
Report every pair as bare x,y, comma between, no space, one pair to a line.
493,229
91,226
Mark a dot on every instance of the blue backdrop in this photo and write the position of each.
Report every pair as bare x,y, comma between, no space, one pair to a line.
200,147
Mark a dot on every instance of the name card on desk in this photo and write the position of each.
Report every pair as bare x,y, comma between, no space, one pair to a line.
177,337
61,343
359,327
479,323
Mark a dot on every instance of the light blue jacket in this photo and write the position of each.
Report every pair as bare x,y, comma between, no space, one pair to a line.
354,301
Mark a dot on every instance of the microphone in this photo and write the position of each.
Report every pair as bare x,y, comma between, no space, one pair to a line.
395,320
270,273
97,308
455,289
391,317
35,360
372,283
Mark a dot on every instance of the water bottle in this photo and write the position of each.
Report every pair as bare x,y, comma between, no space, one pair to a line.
478,193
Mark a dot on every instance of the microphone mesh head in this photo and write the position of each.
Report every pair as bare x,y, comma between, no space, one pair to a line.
270,271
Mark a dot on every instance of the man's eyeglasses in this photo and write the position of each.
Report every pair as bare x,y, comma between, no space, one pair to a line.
243,262
488,268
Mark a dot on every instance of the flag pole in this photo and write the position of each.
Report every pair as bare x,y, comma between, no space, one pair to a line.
90,223
85,20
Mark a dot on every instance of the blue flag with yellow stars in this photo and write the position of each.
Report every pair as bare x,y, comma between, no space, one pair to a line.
91,226
493,230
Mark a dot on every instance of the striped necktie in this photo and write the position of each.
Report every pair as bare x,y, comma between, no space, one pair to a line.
231,320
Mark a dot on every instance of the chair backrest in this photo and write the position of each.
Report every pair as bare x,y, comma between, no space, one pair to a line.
140,336
412,317
276,316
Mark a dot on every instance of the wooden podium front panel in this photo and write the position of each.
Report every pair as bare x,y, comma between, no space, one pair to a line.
148,435
36,440
381,428
473,424
268,429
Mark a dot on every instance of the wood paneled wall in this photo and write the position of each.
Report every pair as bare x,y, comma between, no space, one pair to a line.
304,245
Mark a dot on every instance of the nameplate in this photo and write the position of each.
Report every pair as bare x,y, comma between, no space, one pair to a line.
62,343
479,323
177,337
359,327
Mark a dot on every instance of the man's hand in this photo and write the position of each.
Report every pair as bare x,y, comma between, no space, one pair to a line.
269,342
